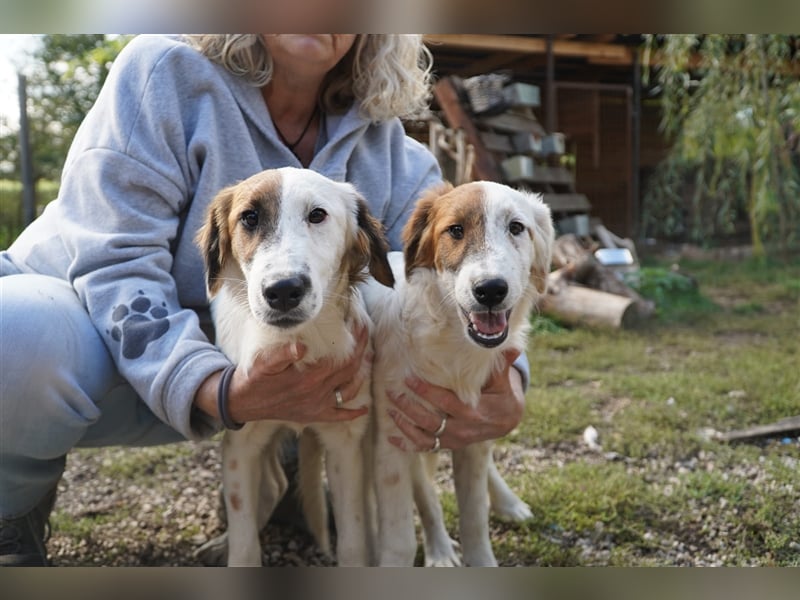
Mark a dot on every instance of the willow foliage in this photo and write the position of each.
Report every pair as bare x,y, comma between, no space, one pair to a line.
731,108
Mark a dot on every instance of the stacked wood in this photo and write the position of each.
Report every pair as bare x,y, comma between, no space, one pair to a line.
582,291
509,144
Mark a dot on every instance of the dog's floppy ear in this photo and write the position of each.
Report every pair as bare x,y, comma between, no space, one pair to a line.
418,250
543,238
213,238
372,247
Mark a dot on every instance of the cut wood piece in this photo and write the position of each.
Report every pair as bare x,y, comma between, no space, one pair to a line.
557,176
527,143
496,142
518,168
513,122
589,272
790,425
567,203
521,168
522,94
554,143
577,305
574,224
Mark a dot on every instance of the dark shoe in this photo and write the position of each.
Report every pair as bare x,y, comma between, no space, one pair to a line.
22,540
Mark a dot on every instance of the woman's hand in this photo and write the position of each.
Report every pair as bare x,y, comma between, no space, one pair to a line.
276,389
499,410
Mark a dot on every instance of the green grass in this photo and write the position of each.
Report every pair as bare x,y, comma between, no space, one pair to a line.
720,354
144,464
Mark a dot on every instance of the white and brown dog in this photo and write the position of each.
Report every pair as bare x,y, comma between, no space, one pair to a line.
475,260
284,250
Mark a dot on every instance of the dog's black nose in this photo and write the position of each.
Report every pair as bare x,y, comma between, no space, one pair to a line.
286,294
490,292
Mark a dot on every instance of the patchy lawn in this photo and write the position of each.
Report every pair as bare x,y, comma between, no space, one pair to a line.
659,491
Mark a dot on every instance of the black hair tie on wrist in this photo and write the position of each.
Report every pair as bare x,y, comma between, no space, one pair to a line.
222,399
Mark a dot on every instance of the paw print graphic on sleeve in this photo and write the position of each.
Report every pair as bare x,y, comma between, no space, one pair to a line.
138,324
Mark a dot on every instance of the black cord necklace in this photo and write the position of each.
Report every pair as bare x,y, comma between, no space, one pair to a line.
293,145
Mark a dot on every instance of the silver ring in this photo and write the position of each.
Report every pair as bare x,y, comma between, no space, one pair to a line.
442,425
339,400
436,444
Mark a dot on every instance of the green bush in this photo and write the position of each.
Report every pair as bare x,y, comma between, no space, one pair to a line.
676,295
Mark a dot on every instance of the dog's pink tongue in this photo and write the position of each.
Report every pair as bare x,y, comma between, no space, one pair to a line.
489,323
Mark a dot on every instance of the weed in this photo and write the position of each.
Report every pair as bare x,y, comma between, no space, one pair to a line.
677,296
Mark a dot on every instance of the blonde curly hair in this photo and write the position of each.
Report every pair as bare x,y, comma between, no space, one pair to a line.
388,74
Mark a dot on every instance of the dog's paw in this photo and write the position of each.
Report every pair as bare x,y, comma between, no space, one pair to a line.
517,511
138,324
214,553
443,554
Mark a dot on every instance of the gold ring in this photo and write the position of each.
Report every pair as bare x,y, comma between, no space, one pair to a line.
339,400
442,425
436,444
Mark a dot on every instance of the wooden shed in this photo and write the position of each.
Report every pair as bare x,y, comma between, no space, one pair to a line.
591,91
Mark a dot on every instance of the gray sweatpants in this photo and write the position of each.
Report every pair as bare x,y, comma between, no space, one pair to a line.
59,389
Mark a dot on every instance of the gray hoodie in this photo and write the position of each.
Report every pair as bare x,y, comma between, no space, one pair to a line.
168,131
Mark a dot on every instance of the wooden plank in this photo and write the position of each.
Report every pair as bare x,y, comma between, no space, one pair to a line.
485,167
557,175
512,122
567,202
491,43
493,62
600,53
521,168
790,425
496,142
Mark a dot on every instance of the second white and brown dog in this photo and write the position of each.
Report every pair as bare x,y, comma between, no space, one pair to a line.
284,251
475,261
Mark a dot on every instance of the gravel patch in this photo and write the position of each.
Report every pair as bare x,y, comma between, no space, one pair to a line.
129,507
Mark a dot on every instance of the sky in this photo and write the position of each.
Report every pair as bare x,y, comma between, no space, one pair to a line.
13,48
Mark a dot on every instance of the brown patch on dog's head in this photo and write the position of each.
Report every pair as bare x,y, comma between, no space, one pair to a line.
214,238
418,248
369,250
543,235
446,225
224,234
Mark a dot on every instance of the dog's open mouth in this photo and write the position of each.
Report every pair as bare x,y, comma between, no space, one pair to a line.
488,329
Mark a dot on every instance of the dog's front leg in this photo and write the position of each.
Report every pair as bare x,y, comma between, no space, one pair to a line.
470,470
241,480
345,469
397,543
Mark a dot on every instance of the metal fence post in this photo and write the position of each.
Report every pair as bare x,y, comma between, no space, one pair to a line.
26,162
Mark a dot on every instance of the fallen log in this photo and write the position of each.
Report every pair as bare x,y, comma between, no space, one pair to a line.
575,304
588,293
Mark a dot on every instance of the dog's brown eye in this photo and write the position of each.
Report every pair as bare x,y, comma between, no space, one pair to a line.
515,228
317,216
249,219
456,232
